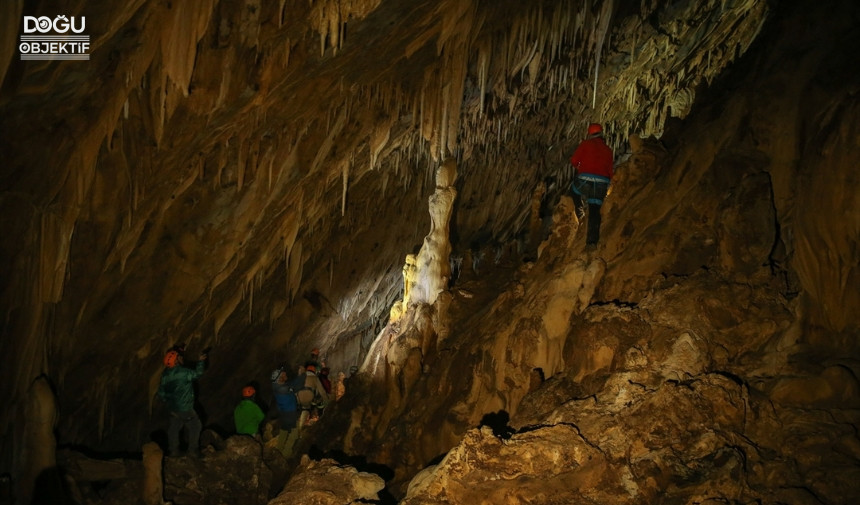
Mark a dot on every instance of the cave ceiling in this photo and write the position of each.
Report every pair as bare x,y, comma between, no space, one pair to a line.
249,175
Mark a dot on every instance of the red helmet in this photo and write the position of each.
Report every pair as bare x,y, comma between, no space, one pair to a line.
311,368
594,128
315,352
171,358
248,391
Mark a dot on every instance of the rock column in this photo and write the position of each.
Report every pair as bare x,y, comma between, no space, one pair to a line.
433,268
39,446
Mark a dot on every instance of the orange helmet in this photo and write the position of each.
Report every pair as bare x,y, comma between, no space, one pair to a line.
594,128
248,391
171,358
311,368
315,352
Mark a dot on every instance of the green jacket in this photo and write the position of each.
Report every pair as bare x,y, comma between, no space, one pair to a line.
176,388
247,417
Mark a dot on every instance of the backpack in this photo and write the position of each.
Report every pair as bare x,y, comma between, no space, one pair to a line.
304,395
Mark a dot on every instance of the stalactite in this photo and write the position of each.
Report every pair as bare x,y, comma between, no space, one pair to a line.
378,140
328,143
294,276
179,41
601,28
240,164
269,172
250,288
224,311
345,171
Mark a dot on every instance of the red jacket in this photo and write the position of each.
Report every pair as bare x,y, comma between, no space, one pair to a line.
593,156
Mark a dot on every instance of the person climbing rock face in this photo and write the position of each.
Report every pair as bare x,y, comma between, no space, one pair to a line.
592,161
176,389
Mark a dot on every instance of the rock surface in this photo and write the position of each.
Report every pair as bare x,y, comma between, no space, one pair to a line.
327,483
250,176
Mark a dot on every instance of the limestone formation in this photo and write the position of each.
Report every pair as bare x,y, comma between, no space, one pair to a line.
410,273
205,185
153,485
37,468
249,176
327,483
432,265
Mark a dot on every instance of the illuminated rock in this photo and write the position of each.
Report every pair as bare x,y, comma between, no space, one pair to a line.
432,264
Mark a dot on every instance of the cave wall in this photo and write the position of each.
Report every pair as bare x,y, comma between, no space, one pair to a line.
219,173
706,350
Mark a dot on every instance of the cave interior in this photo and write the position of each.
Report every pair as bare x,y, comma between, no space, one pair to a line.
388,181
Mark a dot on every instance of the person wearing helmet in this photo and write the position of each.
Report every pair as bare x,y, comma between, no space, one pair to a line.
314,359
288,409
247,416
339,386
592,161
176,389
312,397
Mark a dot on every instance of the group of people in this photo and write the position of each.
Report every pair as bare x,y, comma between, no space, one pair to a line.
299,401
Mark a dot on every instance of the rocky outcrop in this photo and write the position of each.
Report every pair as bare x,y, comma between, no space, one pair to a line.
218,171
683,352
325,482
250,176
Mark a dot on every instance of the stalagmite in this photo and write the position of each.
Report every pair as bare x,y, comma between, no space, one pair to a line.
409,278
38,455
153,487
432,264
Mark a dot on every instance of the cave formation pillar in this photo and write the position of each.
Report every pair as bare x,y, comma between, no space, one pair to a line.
38,452
432,265
153,486
409,275
411,328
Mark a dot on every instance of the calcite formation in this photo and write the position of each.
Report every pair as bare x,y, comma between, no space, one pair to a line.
249,176
326,482
37,463
433,265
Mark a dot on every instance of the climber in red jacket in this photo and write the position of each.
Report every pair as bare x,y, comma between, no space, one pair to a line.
592,161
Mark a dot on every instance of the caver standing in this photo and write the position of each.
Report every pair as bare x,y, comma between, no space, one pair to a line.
177,391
